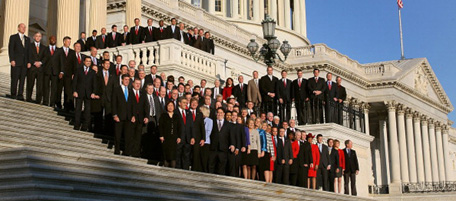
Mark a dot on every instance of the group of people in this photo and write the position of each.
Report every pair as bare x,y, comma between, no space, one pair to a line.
242,130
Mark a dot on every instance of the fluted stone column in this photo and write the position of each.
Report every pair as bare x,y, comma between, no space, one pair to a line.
235,9
16,12
297,16
281,13
440,159
67,20
97,15
287,14
419,148
426,150
52,18
303,18
384,151
245,11
366,119
132,11
402,144
273,9
211,6
261,8
392,130
446,155
256,10
410,147
433,148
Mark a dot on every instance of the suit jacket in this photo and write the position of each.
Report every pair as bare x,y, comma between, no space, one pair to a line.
83,84
91,42
125,38
17,52
160,33
38,56
341,93
334,159
148,35
66,62
299,93
199,43
312,85
120,106
324,156
186,134
253,92
305,154
176,34
97,61
99,43
210,47
223,139
140,108
284,151
331,94
198,130
107,91
83,45
267,86
189,39
241,95
74,61
220,91
283,91
239,132
149,79
136,37
351,161
51,67
113,42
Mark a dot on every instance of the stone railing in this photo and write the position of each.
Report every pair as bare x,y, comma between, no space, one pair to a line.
169,55
429,187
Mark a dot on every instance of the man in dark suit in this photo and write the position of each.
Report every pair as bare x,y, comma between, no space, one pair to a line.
101,42
125,37
240,136
184,146
216,90
148,32
188,37
305,160
330,99
66,62
153,75
240,92
198,134
284,158
51,71
140,118
160,32
200,40
93,56
210,46
84,85
122,111
267,91
351,168
341,96
334,163
222,141
83,41
92,41
114,37
283,92
182,34
35,72
301,98
317,88
136,33
19,51
324,167
107,88
151,146
173,30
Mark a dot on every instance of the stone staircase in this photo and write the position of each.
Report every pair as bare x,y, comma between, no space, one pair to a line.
43,158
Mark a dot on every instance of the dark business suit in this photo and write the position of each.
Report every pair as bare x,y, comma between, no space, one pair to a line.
334,162
106,102
283,91
220,91
240,94
330,104
100,43
67,63
51,71
316,101
200,43
300,94
221,140
322,172
160,33
235,160
83,44
20,54
304,158
284,152
84,83
184,148
268,85
173,34
151,145
351,167
122,108
148,34
210,46
35,73
341,94
125,38
189,39
150,80
135,35
140,110
91,42
113,41
199,133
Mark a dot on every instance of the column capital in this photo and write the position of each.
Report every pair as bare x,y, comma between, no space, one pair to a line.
365,107
431,123
391,105
416,116
445,130
438,126
409,113
400,109
424,120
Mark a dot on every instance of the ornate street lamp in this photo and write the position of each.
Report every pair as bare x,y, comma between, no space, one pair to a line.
268,51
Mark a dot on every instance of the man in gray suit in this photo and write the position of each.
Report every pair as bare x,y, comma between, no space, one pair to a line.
253,91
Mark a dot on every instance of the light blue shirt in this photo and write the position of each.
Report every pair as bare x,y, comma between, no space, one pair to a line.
208,124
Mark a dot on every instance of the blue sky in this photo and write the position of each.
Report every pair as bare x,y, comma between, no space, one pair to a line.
368,31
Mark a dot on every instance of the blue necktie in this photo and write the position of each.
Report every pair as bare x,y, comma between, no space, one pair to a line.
126,94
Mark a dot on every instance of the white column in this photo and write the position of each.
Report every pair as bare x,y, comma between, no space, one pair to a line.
235,9
132,11
384,154
273,9
419,148
440,159
426,150
211,6
402,145
410,147
97,15
446,155
67,20
394,146
303,18
16,12
366,119
433,148
297,16
256,10
245,11
281,13
52,18
287,14
261,7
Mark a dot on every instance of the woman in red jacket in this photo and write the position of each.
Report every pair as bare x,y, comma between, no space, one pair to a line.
316,161
228,88
338,178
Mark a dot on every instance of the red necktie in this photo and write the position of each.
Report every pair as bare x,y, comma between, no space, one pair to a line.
169,95
183,117
299,83
86,70
117,70
329,85
113,37
156,92
79,59
150,31
103,38
161,30
242,86
52,51
137,97
193,114
37,49
285,83
136,30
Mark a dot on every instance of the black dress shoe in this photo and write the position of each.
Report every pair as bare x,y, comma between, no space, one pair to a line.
117,152
84,129
76,128
21,98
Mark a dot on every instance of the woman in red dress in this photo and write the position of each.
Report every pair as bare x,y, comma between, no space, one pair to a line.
228,88
338,178
316,161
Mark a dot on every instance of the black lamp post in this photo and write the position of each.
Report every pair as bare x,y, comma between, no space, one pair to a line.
268,51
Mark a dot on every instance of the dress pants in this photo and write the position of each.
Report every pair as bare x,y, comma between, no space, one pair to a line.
317,111
50,83
183,155
65,84
350,177
122,127
34,74
322,178
151,144
331,177
285,110
302,176
294,172
197,164
78,112
217,162
205,157
283,173
133,139
18,74
330,111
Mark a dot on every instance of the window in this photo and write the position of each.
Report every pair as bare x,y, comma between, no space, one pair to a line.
218,5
